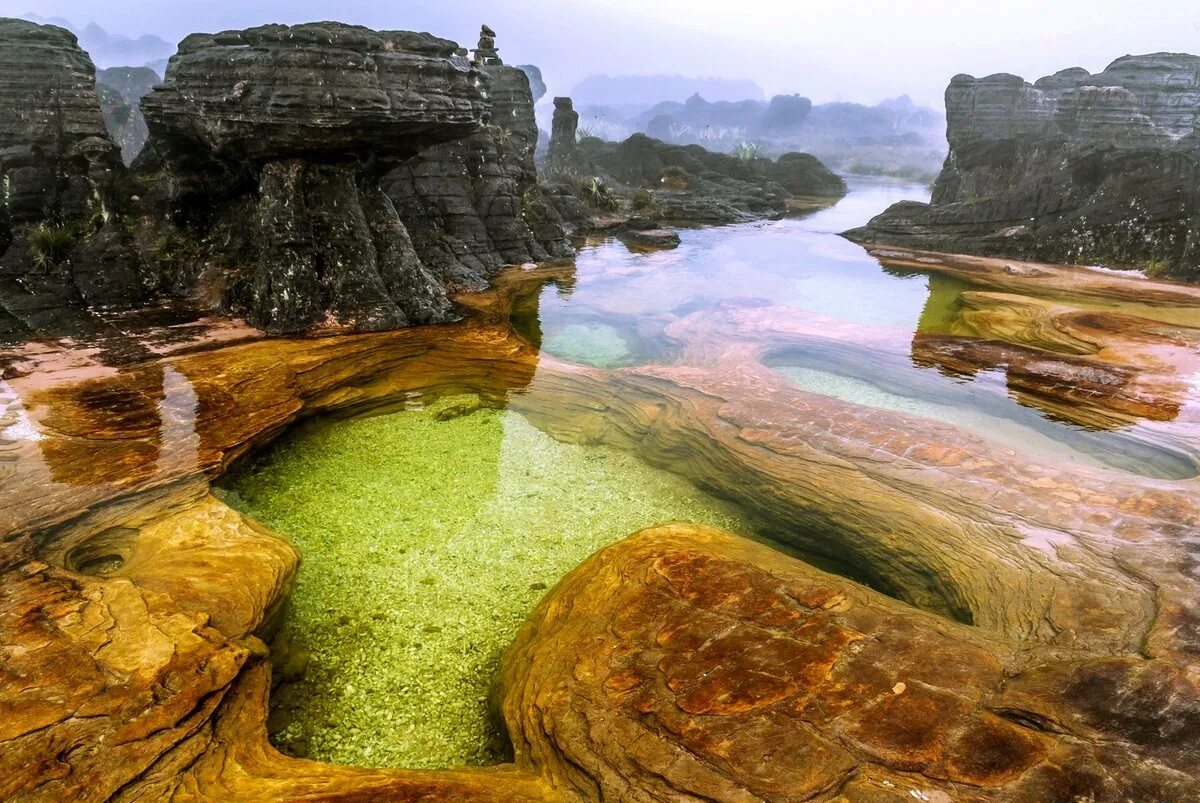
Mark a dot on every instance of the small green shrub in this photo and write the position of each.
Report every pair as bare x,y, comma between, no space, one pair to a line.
674,177
532,208
1157,268
502,135
746,151
597,194
643,203
51,244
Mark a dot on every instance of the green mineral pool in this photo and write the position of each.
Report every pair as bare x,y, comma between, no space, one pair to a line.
427,538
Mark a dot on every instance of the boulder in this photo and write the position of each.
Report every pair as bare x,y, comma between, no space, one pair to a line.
1075,167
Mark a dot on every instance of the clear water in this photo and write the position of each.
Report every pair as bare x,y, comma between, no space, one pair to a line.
620,302
428,535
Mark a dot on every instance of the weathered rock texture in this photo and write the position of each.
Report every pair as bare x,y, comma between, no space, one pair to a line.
1076,167
356,176
474,205
121,90
61,242
698,185
688,184
1039,640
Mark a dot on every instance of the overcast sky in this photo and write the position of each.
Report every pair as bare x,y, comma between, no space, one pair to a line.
862,50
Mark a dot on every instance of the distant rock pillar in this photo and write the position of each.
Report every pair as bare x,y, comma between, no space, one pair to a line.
486,52
564,127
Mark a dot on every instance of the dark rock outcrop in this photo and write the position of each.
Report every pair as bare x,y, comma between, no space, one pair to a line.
474,205
121,90
331,174
61,241
564,130
1077,167
695,185
537,84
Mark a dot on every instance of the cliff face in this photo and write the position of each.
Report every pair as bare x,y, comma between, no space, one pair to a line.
474,205
60,240
1076,167
330,174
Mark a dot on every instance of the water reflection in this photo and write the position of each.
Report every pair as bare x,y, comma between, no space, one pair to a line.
875,330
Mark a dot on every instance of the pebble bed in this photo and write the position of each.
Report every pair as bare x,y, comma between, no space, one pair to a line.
427,537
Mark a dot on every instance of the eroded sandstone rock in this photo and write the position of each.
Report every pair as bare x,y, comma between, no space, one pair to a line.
687,662
1073,168
62,246
330,175
1039,639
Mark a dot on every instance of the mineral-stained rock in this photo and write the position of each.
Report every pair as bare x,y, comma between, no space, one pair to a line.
121,90
61,244
684,662
1040,640
328,174
1076,167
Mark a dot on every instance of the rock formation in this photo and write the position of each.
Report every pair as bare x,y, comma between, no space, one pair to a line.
1038,641
1076,167
536,83
121,90
356,176
696,185
474,205
62,245
690,184
564,131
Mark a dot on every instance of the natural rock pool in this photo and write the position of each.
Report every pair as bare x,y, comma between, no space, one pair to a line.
428,534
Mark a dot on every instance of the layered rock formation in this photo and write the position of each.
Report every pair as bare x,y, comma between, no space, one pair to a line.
474,205
1039,641
1076,167
62,245
318,148
121,90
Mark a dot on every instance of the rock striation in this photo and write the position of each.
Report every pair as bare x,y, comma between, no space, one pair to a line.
331,174
1038,639
474,205
1076,167
61,243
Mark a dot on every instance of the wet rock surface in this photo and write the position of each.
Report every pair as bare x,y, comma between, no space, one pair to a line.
1093,169
1038,639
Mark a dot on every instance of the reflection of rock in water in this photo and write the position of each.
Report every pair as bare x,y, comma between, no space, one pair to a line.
105,430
